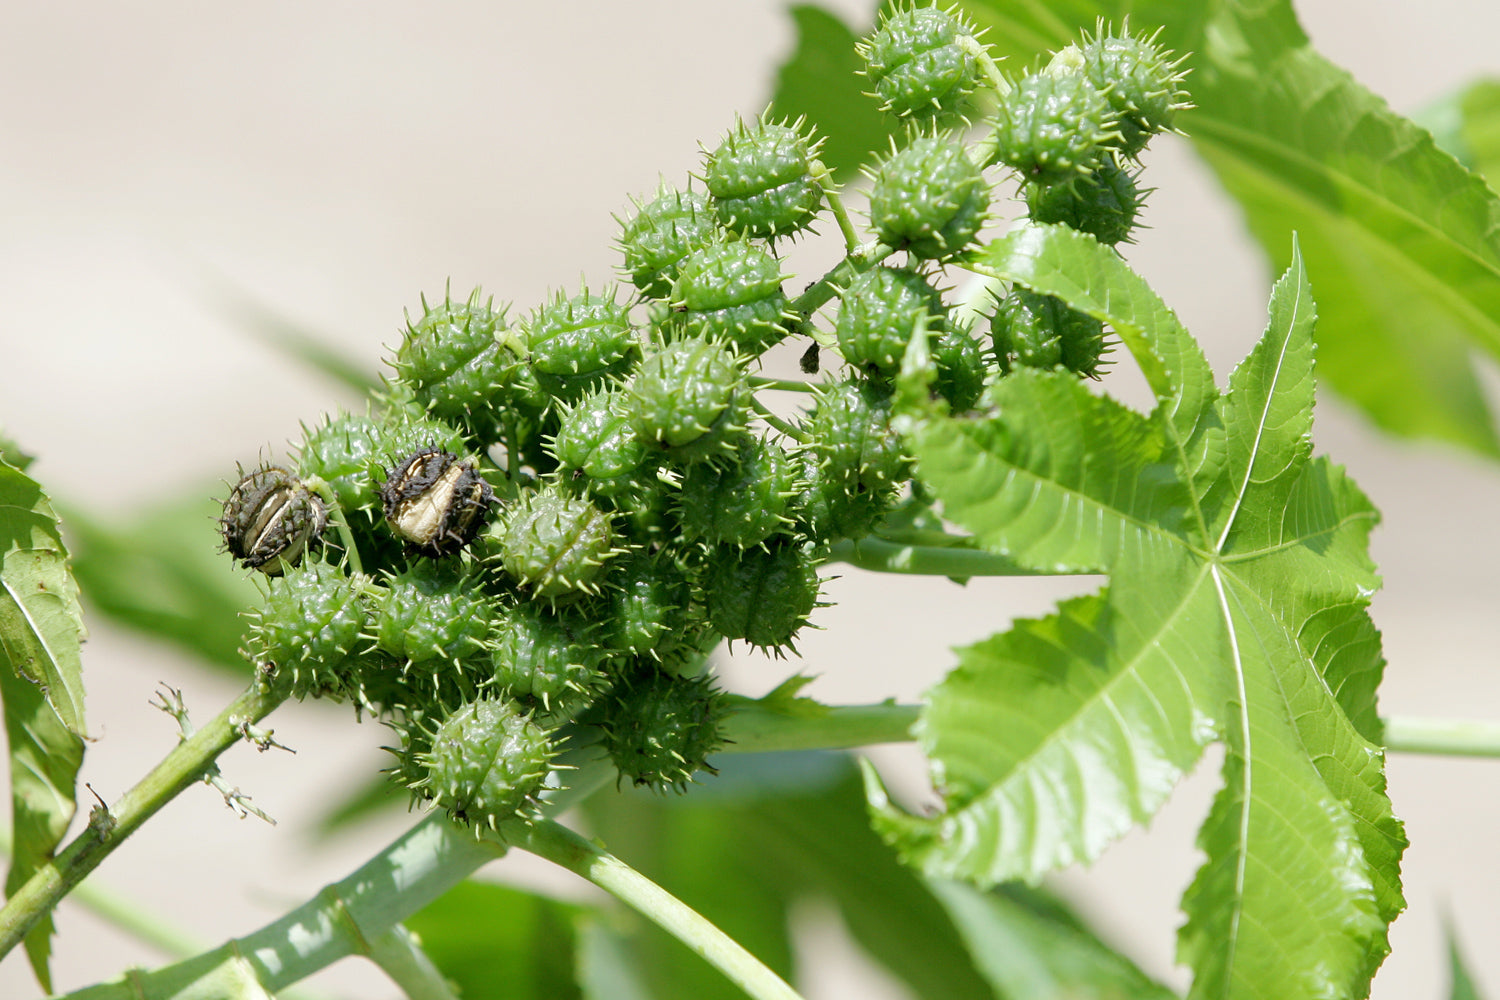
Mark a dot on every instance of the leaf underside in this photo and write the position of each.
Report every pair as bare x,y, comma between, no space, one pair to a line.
1235,611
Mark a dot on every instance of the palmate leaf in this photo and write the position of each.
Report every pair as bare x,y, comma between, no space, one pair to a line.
41,685
1235,611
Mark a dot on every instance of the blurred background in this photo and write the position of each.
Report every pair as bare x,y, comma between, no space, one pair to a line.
163,164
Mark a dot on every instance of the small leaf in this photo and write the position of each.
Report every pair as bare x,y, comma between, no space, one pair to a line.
1461,983
819,82
41,630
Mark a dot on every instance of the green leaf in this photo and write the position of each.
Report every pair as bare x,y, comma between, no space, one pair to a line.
1393,229
1027,953
1236,610
41,684
819,82
162,573
498,943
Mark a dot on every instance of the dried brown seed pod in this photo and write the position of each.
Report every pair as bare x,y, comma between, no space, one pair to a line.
269,519
435,502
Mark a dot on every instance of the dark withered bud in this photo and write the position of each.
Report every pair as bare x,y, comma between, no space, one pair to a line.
435,502
269,519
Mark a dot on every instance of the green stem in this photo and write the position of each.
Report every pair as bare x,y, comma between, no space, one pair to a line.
757,726
758,382
858,260
1449,737
781,425
340,525
962,562
835,199
400,956
108,828
568,850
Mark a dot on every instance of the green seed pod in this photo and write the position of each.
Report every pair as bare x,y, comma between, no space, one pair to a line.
307,631
740,499
341,451
1054,127
1142,82
689,400
456,358
878,313
594,436
761,180
435,502
548,658
921,63
961,368
1040,331
429,613
831,507
850,431
929,199
648,608
269,519
555,544
487,763
578,343
1104,204
730,292
660,729
662,233
761,595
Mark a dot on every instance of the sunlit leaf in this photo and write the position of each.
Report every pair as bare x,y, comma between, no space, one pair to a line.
1239,577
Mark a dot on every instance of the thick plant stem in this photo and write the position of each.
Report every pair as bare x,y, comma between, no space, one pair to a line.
400,956
107,829
567,849
1448,737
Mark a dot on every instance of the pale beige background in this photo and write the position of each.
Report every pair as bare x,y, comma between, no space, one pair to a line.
337,160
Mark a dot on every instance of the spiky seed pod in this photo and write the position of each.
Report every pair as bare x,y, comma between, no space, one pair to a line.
921,62
929,199
878,313
660,729
1054,127
730,292
761,595
269,519
761,180
487,763
961,369
594,436
739,499
548,658
430,613
850,432
1142,82
340,451
577,343
435,502
555,544
1039,331
456,357
308,630
649,606
661,234
1104,204
689,400
829,507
